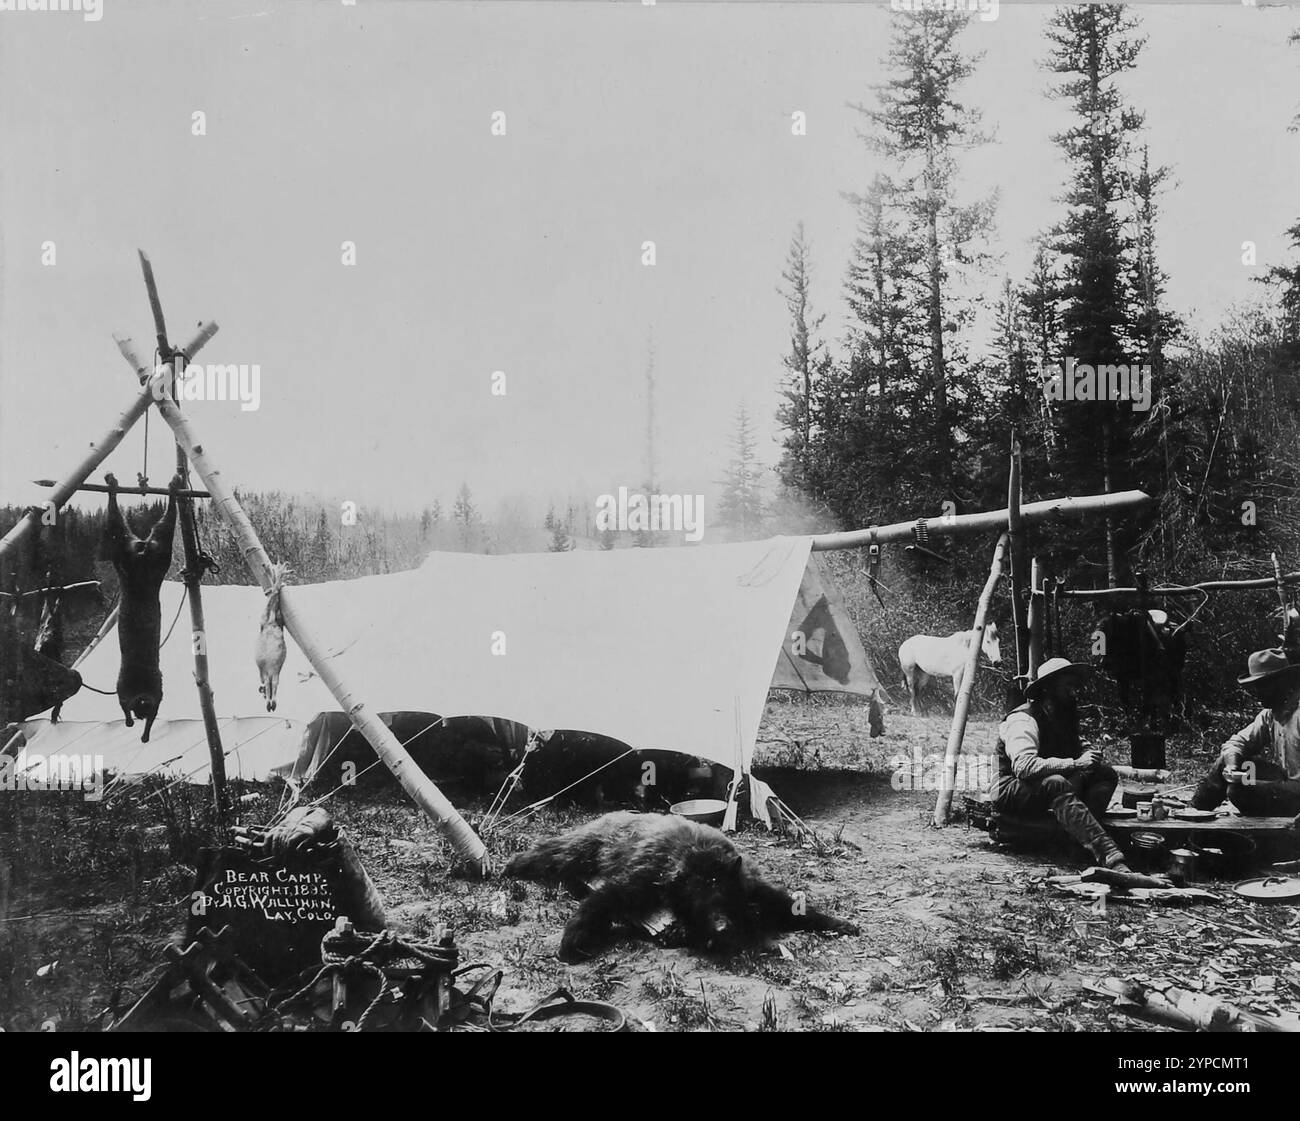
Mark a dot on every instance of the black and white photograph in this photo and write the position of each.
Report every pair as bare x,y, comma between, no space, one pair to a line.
651,516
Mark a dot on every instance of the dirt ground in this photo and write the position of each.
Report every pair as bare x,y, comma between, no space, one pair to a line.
958,934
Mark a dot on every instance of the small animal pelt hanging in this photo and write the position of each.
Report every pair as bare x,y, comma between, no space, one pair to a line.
271,650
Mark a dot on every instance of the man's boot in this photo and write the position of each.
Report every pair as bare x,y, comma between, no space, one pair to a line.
1077,820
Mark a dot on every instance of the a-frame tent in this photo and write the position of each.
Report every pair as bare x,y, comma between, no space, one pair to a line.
670,649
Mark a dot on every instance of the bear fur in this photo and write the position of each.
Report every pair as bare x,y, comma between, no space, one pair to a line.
630,866
141,564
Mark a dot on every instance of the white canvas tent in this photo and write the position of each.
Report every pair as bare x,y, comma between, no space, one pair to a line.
658,648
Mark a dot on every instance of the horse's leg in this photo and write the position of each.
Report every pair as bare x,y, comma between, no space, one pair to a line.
956,685
915,683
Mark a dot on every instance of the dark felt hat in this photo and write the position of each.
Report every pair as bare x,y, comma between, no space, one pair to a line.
1268,665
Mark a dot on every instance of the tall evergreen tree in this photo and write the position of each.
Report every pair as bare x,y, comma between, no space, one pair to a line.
919,125
740,507
465,515
1092,46
802,363
1286,279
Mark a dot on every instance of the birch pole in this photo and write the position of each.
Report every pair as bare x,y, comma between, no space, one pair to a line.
99,451
943,804
415,782
1037,608
1019,563
1032,513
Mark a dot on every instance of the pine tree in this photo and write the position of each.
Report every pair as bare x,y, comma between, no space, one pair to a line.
1092,46
920,126
1286,279
322,549
741,505
465,515
887,325
795,412
561,542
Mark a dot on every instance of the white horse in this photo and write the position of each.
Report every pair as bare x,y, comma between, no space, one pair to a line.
924,656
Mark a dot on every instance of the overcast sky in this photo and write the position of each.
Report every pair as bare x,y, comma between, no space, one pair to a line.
522,253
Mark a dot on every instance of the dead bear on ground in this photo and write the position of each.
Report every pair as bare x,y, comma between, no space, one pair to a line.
631,865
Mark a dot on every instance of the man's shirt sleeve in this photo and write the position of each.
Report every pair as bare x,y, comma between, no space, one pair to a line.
1020,736
1249,742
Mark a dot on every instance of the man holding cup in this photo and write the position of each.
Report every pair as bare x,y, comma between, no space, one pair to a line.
1258,769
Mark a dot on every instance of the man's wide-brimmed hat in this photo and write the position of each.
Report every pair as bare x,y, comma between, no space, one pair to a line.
1268,665
1056,669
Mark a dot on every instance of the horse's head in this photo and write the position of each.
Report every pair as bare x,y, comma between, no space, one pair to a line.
992,645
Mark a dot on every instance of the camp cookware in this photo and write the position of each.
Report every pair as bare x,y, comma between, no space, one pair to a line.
706,811
1182,864
1270,889
1194,815
1225,853
1150,850
1135,795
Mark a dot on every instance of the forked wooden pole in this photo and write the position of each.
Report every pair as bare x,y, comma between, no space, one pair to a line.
1037,610
193,571
422,791
1018,568
943,804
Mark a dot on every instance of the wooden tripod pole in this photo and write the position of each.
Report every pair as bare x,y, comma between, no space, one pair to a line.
99,451
415,782
193,575
943,804
193,571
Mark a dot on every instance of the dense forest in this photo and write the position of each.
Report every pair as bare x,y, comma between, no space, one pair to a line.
912,413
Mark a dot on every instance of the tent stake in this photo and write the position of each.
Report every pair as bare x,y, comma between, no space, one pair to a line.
415,782
943,804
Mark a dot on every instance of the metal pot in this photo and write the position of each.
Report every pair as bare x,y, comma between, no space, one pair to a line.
1182,865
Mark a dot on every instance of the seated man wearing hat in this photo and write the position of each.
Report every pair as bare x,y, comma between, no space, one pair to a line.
1258,769
1043,767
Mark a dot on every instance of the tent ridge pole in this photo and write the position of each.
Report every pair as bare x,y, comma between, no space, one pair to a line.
1032,513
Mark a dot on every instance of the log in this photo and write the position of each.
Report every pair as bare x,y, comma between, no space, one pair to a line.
1184,1009
1123,880
1052,509
943,804
99,451
416,784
